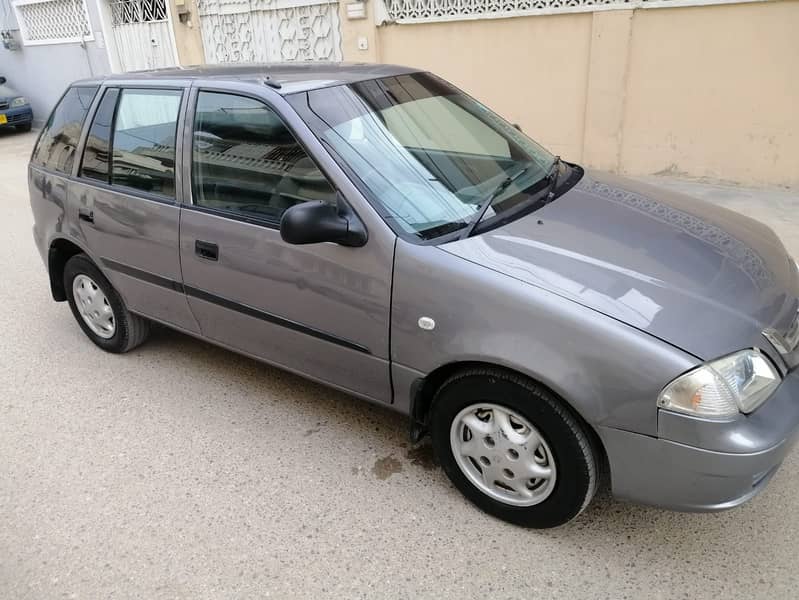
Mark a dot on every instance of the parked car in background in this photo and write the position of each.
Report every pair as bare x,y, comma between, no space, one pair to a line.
15,111
376,229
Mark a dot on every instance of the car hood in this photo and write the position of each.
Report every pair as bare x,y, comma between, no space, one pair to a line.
696,275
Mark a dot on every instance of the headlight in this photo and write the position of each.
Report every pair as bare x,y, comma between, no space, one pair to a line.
21,101
724,387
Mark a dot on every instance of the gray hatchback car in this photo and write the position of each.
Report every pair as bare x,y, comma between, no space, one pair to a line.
374,228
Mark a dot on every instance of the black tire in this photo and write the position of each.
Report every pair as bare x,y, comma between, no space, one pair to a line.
569,441
130,330
23,128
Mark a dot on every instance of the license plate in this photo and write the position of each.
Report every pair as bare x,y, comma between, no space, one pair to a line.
3,119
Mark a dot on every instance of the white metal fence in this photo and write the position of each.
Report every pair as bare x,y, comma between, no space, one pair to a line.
426,11
142,34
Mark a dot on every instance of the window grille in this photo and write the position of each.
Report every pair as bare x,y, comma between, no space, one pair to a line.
425,11
138,11
52,21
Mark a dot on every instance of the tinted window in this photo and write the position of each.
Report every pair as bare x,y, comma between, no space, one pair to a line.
144,140
438,124
428,155
96,157
56,146
246,161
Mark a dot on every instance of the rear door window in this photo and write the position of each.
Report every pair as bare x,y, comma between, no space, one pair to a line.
97,155
58,141
144,132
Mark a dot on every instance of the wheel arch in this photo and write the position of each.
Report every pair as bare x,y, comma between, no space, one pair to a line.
423,391
61,249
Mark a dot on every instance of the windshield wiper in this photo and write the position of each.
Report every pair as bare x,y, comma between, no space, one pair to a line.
478,216
552,175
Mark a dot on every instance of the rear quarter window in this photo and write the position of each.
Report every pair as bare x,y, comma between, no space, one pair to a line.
58,141
96,153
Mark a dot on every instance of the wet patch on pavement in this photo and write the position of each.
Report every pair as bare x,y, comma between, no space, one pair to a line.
422,456
386,467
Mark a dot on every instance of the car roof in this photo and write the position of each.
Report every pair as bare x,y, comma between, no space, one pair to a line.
290,77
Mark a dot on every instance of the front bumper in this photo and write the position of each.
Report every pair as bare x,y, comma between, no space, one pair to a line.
735,460
17,116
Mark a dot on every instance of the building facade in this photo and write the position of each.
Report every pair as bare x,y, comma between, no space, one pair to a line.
704,88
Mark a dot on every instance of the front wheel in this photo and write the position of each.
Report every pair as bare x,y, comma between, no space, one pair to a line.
512,447
98,308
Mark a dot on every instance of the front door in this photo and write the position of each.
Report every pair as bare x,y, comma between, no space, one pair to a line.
322,309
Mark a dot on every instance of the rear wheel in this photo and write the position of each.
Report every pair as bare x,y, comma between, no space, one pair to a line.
513,448
98,308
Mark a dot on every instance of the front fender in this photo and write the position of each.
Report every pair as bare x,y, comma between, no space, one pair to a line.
609,372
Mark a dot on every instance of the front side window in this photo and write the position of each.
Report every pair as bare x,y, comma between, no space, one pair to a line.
145,128
58,141
427,154
246,161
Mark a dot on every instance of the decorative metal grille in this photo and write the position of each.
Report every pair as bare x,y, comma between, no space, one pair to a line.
420,11
269,30
137,11
305,32
52,21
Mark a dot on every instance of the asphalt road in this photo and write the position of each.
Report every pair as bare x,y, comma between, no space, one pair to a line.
181,470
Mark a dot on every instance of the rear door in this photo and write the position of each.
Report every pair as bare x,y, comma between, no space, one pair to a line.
320,309
53,161
126,195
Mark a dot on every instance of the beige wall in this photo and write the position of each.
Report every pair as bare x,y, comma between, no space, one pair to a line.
351,30
188,41
705,91
719,98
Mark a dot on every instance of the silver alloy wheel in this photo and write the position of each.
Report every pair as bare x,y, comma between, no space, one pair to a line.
93,306
502,454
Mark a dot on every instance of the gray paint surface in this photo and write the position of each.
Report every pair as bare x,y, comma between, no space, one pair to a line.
183,470
700,277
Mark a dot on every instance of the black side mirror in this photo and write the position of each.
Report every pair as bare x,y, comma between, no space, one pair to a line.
2,80
315,222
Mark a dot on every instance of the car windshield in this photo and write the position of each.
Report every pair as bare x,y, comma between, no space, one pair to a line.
427,154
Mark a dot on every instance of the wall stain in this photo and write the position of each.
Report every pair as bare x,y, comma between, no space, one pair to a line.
386,467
